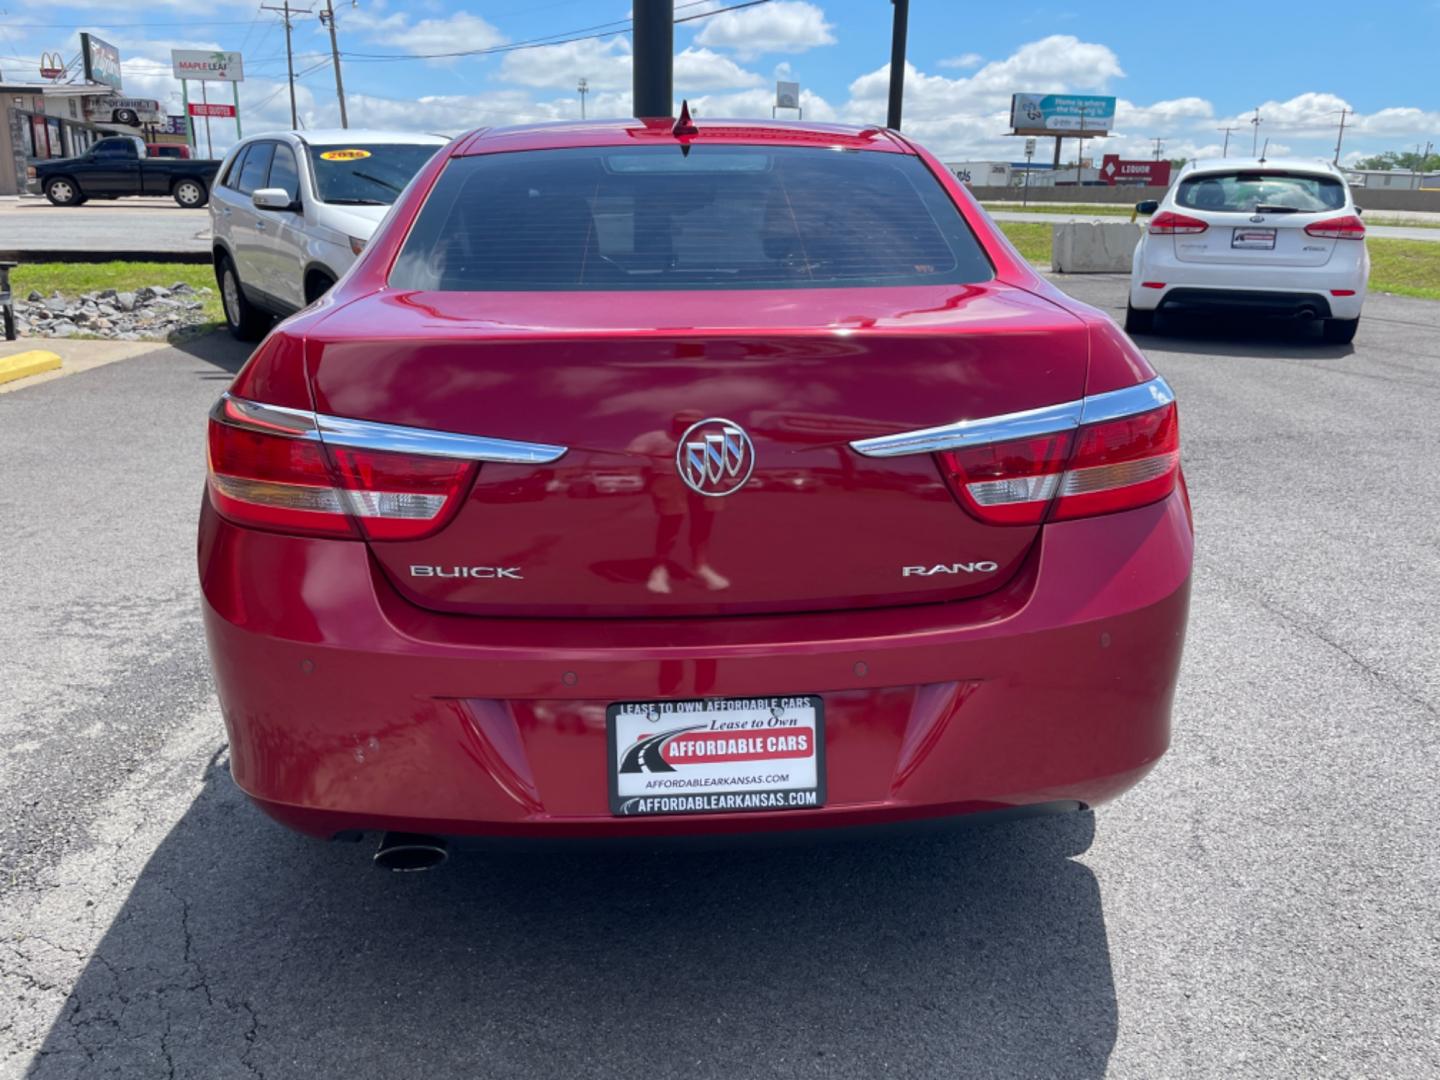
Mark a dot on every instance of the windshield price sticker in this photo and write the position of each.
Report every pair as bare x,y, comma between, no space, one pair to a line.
344,155
717,756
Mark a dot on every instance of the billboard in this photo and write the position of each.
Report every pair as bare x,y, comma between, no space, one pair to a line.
102,60
1061,114
1116,170
216,66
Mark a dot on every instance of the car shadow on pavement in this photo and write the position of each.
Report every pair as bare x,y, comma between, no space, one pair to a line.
245,950
216,348
1236,336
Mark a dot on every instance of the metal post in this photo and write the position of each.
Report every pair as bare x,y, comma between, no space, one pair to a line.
584,88
653,81
897,62
1025,195
1341,137
235,97
189,120
205,104
328,18
1080,153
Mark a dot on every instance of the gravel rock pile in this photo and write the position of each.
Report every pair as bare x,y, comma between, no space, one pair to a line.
152,311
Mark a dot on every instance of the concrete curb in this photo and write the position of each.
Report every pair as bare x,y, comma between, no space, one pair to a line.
23,365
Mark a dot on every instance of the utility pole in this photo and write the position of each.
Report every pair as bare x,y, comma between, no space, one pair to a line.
1255,139
897,62
652,86
289,53
1341,137
584,88
1159,145
1226,152
1080,153
328,18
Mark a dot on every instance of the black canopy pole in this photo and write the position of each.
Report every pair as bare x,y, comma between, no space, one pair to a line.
897,62
654,57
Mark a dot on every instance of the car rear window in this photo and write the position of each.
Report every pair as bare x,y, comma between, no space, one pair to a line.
1250,191
366,174
720,217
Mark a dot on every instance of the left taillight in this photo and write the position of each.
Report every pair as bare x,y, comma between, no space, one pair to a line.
270,469
1099,468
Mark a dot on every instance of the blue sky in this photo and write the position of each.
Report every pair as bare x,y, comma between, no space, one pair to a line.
1179,77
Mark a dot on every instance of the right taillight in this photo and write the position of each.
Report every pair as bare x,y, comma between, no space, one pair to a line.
1348,227
1169,223
1120,464
270,470
1097,469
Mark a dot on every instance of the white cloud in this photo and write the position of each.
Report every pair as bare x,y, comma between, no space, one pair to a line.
603,62
964,61
455,32
790,26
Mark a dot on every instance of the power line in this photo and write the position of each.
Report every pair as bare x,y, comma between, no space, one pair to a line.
289,55
584,33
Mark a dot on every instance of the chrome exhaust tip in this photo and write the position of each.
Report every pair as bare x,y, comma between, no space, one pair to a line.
405,852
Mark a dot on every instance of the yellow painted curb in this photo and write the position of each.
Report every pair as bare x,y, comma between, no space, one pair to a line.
24,364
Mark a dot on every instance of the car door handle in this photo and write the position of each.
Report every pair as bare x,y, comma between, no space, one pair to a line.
260,225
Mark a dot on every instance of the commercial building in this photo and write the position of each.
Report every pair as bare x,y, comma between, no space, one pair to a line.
39,121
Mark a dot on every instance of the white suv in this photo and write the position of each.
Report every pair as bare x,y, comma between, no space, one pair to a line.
1276,238
290,212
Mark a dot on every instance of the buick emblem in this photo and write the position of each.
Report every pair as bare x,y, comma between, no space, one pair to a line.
715,457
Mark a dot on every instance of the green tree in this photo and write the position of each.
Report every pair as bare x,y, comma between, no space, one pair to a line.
1401,159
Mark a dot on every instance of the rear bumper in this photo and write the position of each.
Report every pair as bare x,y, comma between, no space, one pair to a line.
348,708
1279,291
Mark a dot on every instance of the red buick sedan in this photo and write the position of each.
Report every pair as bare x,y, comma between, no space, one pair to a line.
645,481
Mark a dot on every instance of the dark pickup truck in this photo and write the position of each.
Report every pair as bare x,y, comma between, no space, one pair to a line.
120,166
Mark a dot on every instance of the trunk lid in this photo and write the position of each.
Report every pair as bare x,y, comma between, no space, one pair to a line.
1255,240
611,528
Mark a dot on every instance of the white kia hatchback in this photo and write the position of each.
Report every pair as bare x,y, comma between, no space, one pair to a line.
291,211
1271,238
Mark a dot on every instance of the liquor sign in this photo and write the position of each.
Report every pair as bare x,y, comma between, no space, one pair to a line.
1114,170
208,66
1074,115
101,60
198,109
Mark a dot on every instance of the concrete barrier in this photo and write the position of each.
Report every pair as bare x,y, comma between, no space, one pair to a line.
1093,247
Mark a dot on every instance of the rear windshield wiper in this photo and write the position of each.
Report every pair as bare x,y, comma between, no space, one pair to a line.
1267,208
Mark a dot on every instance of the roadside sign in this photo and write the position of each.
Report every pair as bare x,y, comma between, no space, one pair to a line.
1115,170
787,95
1061,114
1029,147
208,65
101,60
52,66
198,109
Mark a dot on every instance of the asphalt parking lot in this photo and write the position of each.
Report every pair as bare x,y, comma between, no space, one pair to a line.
1265,904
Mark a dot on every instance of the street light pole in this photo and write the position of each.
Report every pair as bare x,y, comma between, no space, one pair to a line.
584,88
653,78
897,62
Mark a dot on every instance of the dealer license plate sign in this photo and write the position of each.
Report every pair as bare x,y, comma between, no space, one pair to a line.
716,755
1253,239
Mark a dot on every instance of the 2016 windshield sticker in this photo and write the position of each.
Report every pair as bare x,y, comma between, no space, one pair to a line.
344,155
